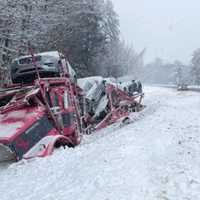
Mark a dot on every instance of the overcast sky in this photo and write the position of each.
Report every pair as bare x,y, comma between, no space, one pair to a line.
169,29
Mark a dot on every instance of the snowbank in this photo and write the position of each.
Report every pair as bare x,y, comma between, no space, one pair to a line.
156,157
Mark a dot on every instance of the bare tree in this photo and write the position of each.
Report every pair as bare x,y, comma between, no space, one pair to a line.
196,66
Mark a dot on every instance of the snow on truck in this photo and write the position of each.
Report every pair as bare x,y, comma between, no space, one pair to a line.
46,108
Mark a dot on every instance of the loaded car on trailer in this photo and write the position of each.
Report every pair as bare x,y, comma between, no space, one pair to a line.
106,103
49,64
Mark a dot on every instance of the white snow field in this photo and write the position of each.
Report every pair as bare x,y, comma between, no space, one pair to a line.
157,157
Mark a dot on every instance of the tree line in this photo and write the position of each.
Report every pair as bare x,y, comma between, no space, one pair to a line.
161,72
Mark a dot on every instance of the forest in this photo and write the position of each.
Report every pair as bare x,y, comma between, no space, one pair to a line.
86,31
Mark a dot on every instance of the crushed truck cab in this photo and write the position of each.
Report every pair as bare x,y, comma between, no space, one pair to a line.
34,119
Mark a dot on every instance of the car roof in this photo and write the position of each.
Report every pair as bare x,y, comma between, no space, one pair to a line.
55,54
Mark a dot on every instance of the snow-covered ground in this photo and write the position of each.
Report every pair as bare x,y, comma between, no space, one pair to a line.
155,158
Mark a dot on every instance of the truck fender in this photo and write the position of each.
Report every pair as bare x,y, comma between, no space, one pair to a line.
46,146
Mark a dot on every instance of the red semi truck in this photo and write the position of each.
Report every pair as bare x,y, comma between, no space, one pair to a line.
38,114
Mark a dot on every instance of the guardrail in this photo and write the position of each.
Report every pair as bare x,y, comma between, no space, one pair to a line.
195,88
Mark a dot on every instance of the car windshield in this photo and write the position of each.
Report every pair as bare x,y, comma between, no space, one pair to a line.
28,60
49,59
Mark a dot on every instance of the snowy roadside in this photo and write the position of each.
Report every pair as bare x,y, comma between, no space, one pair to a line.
156,157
